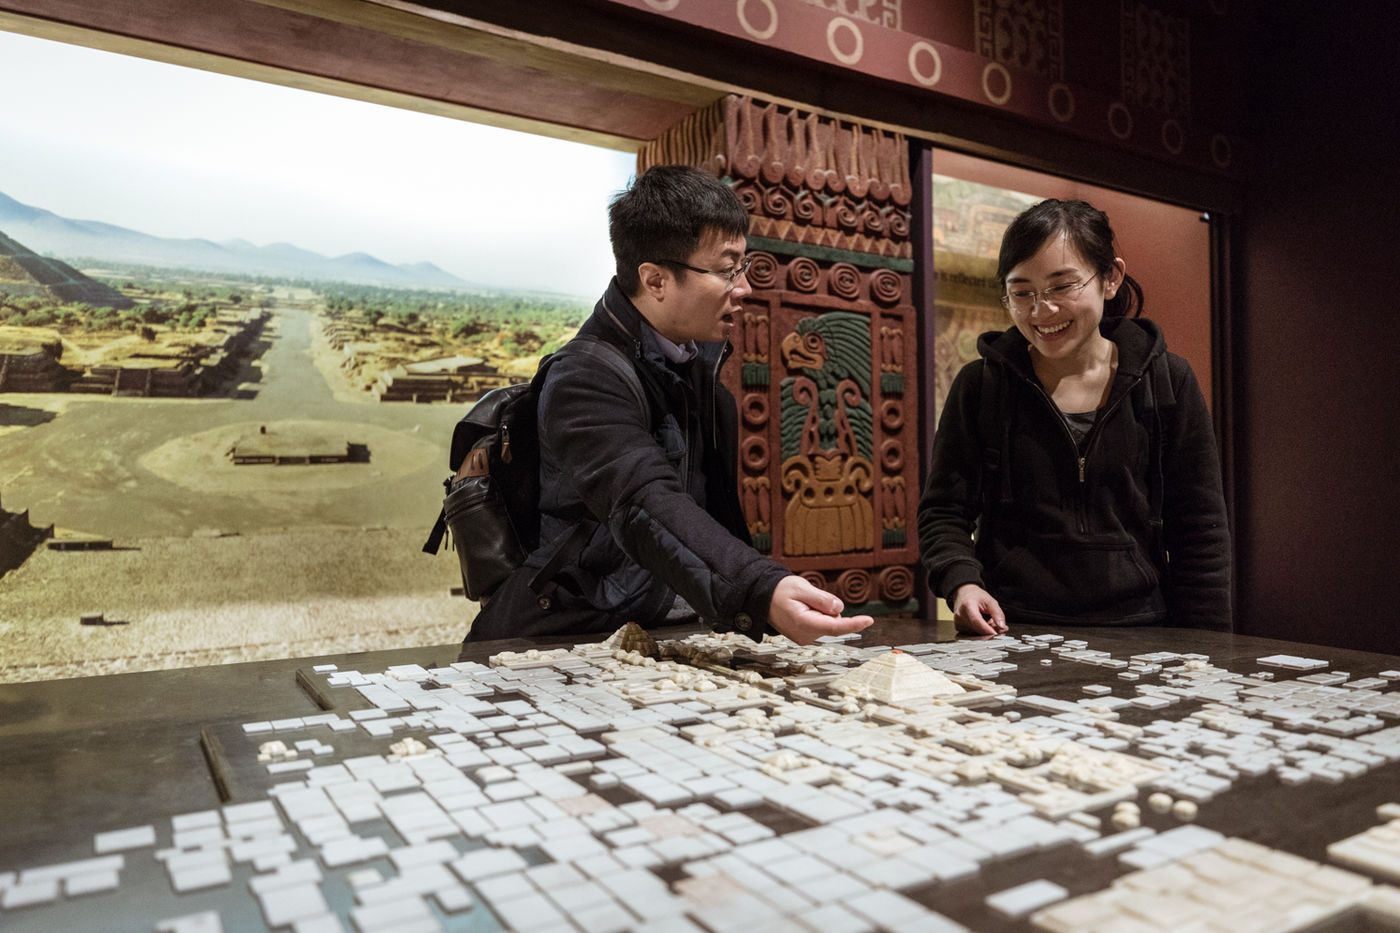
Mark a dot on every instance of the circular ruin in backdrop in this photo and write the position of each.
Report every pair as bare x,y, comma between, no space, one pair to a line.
284,456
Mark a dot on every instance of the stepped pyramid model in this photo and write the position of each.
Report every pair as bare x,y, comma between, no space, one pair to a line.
895,678
26,274
632,637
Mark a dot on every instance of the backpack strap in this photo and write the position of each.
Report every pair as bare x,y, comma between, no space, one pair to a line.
614,358
541,584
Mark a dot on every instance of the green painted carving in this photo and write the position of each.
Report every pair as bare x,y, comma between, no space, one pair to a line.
827,436
832,352
754,375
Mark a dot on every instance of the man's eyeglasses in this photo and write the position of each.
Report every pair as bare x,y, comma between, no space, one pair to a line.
1025,299
730,276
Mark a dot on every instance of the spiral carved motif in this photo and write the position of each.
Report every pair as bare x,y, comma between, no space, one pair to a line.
886,287
843,215
895,584
754,454
816,578
803,274
898,224
763,272
873,223
853,586
843,281
749,197
776,202
804,207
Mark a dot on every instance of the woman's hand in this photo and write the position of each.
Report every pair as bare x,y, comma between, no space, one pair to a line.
975,612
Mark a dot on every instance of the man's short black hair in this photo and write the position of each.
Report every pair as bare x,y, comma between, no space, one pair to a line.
665,214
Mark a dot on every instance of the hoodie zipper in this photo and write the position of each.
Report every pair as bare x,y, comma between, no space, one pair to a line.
1082,459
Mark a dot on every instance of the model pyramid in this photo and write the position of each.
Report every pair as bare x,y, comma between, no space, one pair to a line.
896,678
632,637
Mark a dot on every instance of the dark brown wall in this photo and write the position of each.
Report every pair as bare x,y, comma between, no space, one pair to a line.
1317,422
1166,249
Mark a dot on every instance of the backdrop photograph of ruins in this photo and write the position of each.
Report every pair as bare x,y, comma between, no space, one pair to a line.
230,367
227,383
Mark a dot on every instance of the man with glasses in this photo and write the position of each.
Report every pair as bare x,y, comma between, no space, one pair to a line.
640,510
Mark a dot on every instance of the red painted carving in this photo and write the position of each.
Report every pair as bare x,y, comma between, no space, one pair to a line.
895,584
753,453
755,410
853,586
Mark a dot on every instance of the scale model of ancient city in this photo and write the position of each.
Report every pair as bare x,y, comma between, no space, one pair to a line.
708,783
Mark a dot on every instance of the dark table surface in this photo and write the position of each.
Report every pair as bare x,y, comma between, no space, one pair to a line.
83,756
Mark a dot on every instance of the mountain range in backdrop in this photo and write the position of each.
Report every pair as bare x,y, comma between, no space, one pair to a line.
50,234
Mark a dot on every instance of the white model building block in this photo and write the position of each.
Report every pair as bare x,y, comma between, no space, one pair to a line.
886,908
197,820
206,921
210,875
833,918
91,883
120,840
1014,903
1377,851
352,850
30,894
1383,903
1292,663
603,918
484,863
285,905
408,914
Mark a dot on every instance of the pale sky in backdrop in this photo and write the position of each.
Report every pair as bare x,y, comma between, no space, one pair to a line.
176,152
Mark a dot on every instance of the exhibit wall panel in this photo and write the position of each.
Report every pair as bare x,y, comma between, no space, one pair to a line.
828,375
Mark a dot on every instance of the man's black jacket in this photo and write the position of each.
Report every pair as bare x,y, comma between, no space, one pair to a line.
660,483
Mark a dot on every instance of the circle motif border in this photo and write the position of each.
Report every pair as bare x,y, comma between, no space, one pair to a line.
925,80
1000,69
1173,138
1114,109
1062,113
762,35
845,58
1221,151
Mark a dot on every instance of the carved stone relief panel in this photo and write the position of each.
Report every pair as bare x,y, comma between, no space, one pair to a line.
829,436
827,374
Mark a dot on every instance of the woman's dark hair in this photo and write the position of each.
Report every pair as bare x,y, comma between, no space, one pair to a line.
665,214
1089,233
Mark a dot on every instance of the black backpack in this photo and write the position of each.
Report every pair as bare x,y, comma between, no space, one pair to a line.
492,506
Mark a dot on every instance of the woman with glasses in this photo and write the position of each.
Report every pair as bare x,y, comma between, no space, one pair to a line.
1074,477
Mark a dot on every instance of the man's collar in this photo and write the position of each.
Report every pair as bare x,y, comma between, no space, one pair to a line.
676,353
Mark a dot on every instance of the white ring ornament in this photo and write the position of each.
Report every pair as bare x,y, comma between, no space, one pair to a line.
762,35
844,58
919,76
